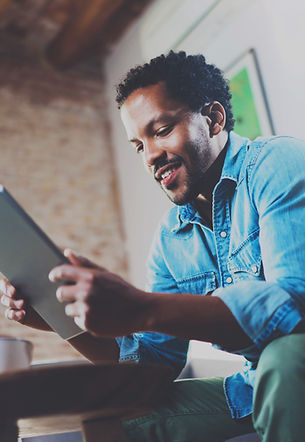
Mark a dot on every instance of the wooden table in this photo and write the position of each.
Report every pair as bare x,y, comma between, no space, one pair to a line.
94,398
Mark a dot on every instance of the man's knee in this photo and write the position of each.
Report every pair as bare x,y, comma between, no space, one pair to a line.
282,358
280,383
276,366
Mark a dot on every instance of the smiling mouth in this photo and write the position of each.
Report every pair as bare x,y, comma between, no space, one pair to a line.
166,174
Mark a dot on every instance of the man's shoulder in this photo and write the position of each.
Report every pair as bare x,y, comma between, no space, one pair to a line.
285,142
263,151
275,162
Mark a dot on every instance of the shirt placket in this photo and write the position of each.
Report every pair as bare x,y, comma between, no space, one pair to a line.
222,232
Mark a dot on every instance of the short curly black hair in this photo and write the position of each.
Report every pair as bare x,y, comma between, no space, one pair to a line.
188,79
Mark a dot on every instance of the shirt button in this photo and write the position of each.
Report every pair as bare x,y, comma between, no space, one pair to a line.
223,234
229,280
254,268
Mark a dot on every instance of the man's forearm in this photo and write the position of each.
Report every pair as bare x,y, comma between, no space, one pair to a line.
95,349
204,318
107,305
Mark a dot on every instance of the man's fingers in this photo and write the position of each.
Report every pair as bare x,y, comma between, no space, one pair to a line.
15,315
7,288
12,303
74,309
68,293
78,260
80,322
67,272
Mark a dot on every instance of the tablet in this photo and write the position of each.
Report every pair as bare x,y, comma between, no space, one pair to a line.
27,256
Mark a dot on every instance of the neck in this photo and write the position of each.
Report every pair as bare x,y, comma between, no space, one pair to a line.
203,202
213,174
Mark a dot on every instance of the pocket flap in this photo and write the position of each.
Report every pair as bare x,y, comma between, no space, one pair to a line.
198,284
247,257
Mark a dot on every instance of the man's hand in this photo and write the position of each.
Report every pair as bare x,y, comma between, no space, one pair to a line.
105,305
16,308
98,300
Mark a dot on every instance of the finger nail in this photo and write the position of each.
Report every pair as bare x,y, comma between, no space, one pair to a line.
68,310
69,252
19,315
53,275
10,291
19,303
58,294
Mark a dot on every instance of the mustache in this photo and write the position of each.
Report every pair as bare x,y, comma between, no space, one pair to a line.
161,162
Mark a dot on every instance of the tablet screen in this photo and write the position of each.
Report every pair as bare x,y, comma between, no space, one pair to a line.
27,256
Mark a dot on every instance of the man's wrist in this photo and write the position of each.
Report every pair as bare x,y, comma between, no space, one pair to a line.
148,311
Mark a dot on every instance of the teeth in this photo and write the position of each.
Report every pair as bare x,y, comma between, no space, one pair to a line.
166,173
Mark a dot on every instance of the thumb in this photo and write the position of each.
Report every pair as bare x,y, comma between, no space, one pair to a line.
78,260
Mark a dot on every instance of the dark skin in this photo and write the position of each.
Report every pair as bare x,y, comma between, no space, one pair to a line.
184,151
95,349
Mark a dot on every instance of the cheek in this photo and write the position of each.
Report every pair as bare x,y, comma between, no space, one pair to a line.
198,130
175,144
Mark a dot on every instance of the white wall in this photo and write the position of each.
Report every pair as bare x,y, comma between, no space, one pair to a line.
274,28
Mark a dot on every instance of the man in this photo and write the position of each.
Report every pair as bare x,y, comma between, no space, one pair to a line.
236,234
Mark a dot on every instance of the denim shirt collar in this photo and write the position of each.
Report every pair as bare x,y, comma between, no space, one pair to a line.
232,170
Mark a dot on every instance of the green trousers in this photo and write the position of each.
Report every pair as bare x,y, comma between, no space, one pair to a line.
195,410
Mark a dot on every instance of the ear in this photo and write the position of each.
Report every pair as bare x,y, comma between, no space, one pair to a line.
216,117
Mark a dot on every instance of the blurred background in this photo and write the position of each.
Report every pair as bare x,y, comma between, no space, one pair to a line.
63,150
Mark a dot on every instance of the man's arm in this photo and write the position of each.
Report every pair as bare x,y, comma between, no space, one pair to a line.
203,318
267,309
106,305
264,309
96,349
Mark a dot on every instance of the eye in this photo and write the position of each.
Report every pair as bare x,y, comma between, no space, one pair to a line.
163,131
139,148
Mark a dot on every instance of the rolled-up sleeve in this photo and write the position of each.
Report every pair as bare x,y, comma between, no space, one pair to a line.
154,347
275,183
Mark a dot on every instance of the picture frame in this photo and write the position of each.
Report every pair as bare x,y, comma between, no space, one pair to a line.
249,102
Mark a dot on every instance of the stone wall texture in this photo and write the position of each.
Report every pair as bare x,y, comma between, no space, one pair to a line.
56,160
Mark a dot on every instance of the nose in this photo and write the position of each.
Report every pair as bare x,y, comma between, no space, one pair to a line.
152,153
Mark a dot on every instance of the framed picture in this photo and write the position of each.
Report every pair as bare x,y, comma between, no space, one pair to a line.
249,103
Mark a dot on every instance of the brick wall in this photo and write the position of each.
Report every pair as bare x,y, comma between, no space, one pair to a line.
56,159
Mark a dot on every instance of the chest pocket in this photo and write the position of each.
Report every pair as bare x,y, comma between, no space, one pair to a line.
245,262
198,284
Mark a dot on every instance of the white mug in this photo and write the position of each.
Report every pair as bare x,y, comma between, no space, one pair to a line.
15,353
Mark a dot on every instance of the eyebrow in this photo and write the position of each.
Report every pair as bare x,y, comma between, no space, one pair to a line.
162,119
133,140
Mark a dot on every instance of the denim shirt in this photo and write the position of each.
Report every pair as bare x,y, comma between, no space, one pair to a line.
253,259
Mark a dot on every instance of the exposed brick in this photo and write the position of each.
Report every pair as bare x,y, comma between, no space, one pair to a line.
56,159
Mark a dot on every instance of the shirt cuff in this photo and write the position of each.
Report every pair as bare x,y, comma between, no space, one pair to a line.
264,310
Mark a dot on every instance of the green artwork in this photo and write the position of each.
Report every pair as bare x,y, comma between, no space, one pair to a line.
244,109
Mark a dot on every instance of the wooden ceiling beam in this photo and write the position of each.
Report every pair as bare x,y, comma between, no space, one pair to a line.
118,23
4,4
81,32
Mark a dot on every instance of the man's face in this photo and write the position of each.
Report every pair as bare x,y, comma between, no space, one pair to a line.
175,142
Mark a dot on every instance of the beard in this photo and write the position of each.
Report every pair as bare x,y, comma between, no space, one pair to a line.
191,185
183,193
